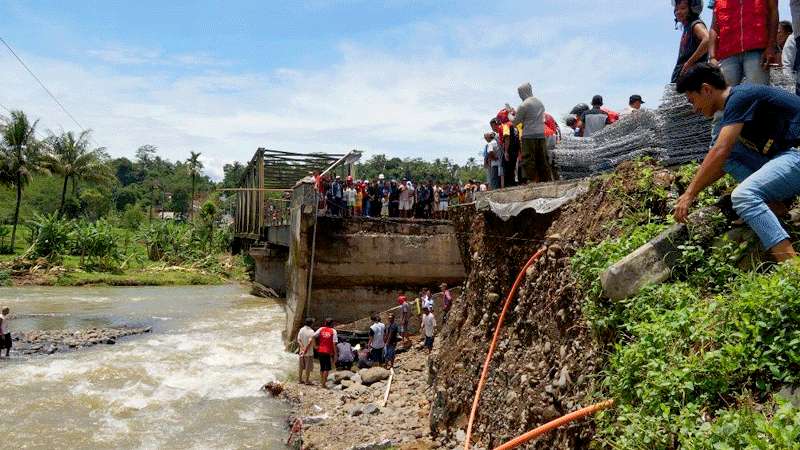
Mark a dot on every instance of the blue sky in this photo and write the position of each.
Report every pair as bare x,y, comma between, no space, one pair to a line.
405,78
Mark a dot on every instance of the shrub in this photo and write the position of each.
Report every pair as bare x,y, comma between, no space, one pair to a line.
97,244
49,237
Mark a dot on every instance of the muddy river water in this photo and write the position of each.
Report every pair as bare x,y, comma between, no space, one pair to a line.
191,383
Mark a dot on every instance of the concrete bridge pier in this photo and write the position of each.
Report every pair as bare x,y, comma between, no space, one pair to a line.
271,266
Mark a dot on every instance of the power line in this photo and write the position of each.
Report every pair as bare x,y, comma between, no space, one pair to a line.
42,137
55,99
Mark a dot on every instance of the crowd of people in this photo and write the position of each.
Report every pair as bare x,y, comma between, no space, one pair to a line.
724,72
391,198
384,338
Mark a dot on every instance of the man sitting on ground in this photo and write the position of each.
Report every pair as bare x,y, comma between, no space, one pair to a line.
757,144
345,356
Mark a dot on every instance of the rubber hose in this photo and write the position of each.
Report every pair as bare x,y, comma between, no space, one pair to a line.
493,344
552,425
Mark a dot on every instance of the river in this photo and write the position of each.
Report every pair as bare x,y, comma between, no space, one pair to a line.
192,383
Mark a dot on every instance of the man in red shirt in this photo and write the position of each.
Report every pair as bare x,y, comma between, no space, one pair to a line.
744,39
326,349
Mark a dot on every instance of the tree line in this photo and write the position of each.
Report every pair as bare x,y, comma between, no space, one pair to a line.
63,174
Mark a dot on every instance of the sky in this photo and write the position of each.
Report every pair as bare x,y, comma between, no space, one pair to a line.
403,78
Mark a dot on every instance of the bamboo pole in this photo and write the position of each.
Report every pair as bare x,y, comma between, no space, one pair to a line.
388,388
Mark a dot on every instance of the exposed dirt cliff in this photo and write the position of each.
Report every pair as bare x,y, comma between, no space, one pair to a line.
547,360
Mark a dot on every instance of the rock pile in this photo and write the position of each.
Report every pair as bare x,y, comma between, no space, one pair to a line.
354,402
47,342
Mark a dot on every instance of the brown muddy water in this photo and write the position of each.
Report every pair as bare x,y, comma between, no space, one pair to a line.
191,383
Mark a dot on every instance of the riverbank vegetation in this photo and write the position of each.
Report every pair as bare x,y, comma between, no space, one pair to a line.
706,361
72,215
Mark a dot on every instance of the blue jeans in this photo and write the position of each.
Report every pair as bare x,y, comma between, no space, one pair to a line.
763,181
745,65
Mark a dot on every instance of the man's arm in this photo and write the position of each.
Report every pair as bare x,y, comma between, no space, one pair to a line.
710,171
701,33
770,53
335,346
712,40
519,117
788,55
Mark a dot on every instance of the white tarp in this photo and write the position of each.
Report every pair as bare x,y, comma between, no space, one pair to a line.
506,211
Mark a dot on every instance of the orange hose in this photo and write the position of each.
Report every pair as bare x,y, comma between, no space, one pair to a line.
493,344
549,426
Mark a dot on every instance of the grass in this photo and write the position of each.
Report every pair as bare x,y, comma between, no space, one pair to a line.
138,278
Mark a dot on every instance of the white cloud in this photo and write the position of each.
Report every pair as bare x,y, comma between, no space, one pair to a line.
132,56
415,100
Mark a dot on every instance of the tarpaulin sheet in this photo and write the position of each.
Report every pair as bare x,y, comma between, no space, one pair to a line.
506,211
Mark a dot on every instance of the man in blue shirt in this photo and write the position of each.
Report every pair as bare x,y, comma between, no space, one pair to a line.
759,134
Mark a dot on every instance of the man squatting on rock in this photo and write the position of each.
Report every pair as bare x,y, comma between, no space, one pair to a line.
757,143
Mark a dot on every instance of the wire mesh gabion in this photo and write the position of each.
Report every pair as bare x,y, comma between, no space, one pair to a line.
672,134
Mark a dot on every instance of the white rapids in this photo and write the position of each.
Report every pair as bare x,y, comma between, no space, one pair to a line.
191,383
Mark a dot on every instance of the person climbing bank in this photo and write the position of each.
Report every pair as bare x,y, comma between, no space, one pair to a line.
757,144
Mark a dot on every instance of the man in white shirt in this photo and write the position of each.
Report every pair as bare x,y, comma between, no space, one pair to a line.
376,341
634,105
428,327
305,341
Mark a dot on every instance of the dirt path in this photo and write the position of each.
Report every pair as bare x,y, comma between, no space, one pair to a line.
351,415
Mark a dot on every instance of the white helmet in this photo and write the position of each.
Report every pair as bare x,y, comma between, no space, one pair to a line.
380,176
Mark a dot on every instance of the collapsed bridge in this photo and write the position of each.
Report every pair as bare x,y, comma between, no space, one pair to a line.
325,266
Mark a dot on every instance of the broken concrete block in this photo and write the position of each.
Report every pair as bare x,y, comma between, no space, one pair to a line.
646,265
652,263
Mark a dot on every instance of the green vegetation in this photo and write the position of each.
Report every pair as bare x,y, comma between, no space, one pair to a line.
696,363
442,170
70,214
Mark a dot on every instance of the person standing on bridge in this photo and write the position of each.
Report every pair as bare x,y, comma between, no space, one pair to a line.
530,114
305,341
326,349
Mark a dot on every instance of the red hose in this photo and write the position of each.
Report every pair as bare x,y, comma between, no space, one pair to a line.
552,425
493,344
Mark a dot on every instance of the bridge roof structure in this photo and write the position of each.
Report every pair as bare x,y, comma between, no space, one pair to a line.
283,169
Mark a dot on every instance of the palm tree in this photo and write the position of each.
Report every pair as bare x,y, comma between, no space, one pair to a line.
70,157
194,166
20,157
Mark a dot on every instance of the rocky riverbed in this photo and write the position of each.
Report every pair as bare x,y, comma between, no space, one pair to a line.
52,341
350,414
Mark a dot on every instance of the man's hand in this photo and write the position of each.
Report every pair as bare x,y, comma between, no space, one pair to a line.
769,56
682,207
713,61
